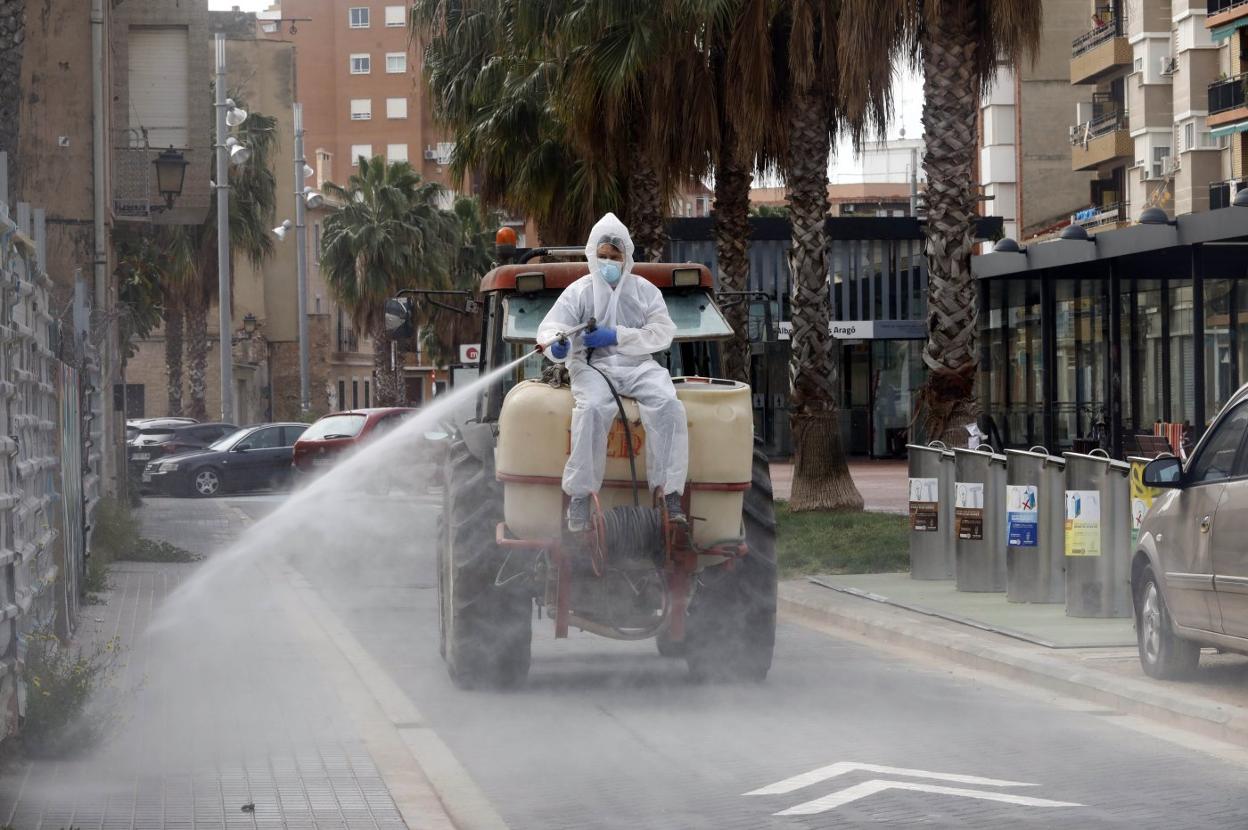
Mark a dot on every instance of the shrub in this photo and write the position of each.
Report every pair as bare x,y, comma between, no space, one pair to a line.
60,681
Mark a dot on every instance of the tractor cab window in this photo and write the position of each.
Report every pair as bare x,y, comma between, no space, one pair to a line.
694,312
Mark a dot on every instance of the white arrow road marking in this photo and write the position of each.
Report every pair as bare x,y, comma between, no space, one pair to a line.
788,785
845,796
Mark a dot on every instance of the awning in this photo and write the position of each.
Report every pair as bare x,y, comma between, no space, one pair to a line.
1223,32
1229,129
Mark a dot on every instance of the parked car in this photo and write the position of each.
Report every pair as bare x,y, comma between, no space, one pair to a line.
160,441
1189,574
251,458
136,425
333,435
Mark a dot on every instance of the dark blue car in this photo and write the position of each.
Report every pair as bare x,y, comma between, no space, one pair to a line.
251,458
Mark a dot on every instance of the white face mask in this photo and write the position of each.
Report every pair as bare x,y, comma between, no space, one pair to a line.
610,271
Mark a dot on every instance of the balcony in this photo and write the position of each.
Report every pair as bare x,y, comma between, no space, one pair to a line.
1106,217
1226,101
1224,12
1101,140
1102,52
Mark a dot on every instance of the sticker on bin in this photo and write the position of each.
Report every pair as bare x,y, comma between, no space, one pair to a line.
1083,523
1141,498
968,510
1022,515
924,504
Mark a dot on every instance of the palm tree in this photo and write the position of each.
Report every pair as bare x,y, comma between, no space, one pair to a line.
472,239
387,234
959,44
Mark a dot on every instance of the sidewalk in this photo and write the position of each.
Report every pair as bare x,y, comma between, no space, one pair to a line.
252,726
883,484
1214,703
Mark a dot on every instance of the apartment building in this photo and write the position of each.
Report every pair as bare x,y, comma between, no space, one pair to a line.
358,78
1160,122
1024,167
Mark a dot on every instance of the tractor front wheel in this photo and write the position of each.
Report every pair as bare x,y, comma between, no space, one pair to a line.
730,631
486,627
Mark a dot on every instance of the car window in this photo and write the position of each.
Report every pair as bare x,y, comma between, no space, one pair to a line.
389,423
335,426
292,435
228,441
264,439
1217,457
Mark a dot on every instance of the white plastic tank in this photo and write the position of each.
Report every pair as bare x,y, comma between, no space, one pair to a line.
535,437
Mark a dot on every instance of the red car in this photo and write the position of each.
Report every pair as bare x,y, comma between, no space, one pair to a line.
326,440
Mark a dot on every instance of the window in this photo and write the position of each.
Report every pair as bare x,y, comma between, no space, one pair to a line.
359,17
367,402
159,76
396,152
1189,136
361,109
291,434
396,16
263,439
1139,64
342,395
1161,158
357,150
355,394
396,62
361,64
1217,459
396,108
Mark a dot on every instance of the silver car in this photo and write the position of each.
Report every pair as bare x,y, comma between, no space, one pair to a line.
1189,576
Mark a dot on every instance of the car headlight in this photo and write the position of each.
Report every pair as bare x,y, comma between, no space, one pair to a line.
168,466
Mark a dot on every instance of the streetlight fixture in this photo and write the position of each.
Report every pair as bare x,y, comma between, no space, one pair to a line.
281,230
234,116
239,155
170,175
312,198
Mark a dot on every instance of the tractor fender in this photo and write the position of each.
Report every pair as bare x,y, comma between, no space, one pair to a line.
480,439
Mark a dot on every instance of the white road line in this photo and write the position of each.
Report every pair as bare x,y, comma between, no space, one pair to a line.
788,785
867,788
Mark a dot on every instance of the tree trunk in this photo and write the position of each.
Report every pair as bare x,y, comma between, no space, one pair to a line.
387,385
821,479
946,403
197,353
646,210
732,240
173,357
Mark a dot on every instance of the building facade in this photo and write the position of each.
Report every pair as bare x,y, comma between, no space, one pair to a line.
358,79
1159,122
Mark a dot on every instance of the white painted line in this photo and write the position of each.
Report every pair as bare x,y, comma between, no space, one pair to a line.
868,788
797,782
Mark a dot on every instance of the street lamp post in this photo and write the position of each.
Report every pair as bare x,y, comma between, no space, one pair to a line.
301,257
223,239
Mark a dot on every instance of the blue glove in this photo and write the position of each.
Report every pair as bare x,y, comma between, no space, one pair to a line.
599,338
559,349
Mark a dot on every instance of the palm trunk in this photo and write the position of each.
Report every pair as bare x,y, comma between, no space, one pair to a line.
387,386
645,205
197,352
173,357
821,479
946,403
732,240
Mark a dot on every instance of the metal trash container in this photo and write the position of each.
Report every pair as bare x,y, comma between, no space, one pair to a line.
1035,514
1097,536
979,496
931,511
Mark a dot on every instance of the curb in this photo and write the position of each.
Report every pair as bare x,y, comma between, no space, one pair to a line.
1154,699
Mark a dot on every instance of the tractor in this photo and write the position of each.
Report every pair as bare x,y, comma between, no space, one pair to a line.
704,589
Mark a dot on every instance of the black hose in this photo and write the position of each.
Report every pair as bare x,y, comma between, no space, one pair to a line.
628,432
634,533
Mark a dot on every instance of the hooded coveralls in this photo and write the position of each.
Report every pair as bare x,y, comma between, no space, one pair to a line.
636,310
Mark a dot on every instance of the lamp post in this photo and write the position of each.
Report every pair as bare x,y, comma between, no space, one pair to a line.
301,257
170,175
223,239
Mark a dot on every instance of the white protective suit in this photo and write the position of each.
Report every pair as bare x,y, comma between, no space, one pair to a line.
636,310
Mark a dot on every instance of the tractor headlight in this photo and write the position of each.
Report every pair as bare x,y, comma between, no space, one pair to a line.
686,277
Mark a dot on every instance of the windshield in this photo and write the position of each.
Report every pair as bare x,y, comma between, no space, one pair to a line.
335,426
228,441
694,312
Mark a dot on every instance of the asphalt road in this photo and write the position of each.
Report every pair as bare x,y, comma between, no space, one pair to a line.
609,734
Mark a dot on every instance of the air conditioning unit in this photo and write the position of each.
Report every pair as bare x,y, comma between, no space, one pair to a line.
1169,65
430,153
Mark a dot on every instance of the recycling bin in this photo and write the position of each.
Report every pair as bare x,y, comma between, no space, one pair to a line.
1035,564
931,511
1097,536
979,520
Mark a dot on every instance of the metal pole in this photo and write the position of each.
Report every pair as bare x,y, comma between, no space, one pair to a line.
223,241
301,242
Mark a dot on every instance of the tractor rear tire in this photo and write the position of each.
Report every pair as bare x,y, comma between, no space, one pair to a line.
486,628
730,632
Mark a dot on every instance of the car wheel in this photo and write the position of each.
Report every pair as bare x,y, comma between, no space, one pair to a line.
1163,654
205,482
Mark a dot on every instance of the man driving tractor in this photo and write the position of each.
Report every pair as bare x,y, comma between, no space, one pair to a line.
632,324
